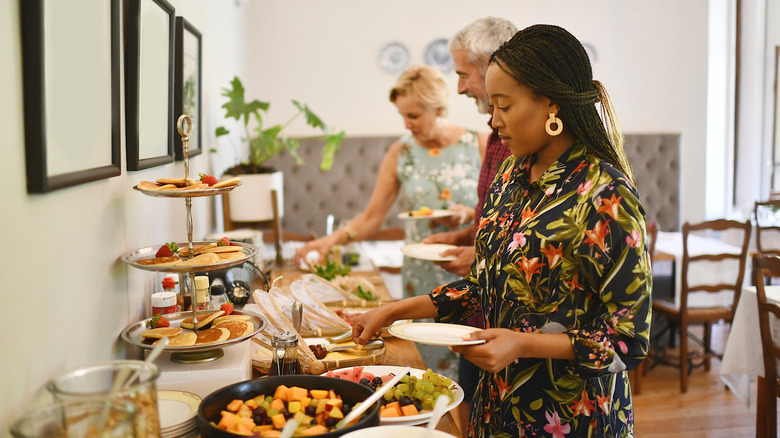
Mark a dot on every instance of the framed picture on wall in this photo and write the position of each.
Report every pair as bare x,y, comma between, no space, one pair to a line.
149,54
71,92
187,85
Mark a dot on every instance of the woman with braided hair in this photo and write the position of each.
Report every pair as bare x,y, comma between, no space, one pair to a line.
562,275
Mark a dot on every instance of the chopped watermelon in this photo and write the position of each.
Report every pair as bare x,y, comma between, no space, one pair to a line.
355,374
367,375
386,377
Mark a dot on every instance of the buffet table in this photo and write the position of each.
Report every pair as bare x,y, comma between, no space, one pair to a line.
399,352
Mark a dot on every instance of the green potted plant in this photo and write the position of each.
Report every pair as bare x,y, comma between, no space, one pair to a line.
264,143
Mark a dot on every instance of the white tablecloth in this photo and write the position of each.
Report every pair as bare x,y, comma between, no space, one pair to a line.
700,272
743,356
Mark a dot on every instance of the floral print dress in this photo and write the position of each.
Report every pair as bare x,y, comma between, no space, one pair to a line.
565,253
434,178
437,179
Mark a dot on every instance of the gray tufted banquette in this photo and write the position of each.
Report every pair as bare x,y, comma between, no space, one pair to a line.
310,195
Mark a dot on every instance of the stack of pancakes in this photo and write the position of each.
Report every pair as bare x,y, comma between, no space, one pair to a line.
207,254
180,184
223,328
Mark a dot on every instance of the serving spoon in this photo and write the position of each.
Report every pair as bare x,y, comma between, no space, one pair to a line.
376,344
358,410
120,382
439,408
289,428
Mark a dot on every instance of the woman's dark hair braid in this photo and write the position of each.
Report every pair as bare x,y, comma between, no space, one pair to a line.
552,63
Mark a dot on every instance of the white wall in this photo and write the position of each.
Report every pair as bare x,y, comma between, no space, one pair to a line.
652,61
67,295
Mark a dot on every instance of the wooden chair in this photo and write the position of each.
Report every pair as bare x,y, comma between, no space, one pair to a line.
767,267
767,231
635,375
684,316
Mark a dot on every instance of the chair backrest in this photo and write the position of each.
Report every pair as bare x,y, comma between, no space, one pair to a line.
710,228
652,236
766,267
767,217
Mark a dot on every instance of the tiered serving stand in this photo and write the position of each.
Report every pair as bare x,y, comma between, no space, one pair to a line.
194,353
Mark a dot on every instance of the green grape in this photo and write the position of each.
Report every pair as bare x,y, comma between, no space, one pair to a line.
418,395
397,393
405,379
447,382
388,395
419,386
403,387
271,412
428,387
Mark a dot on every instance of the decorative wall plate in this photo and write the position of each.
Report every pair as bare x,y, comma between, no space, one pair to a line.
437,55
394,57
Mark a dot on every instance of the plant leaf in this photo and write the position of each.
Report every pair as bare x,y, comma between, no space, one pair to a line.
237,108
311,119
329,150
221,130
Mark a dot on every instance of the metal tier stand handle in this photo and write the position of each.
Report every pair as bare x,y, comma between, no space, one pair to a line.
184,126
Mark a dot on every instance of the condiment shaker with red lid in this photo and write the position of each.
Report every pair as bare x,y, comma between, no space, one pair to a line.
163,303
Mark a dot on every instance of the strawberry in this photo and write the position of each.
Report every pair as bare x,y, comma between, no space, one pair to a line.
167,250
208,179
168,283
223,242
163,322
227,308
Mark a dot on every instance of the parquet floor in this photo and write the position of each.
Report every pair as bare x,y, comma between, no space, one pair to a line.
708,409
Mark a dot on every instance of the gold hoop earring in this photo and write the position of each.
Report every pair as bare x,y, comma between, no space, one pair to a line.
557,122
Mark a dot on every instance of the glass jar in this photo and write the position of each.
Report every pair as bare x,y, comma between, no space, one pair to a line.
202,294
163,303
285,354
98,381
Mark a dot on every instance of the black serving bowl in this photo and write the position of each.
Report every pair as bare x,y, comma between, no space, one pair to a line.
350,392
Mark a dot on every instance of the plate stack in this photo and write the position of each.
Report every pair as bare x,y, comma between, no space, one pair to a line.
178,414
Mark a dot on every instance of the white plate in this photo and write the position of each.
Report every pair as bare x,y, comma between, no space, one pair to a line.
428,251
434,214
410,420
434,333
176,408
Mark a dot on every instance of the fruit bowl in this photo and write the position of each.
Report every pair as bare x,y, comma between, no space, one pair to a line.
350,392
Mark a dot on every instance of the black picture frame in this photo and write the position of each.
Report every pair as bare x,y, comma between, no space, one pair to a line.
71,93
188,85
149,55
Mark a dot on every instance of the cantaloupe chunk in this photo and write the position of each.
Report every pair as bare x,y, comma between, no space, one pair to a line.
277,404
296,393
388,412
235,405
228,421
305,402
271,433
278,421
315,430
319,394
409,409
394,406
282,392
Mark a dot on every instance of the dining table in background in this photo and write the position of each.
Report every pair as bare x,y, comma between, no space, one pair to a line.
743,361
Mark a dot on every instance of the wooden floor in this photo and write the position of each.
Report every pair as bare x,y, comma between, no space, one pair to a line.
708,409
